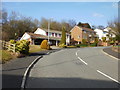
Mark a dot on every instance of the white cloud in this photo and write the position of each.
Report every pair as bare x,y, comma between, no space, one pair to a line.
98,15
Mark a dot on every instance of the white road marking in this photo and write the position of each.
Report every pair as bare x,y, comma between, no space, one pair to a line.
26,72
76,53
110,55
82,61
108,76
48,52
99,70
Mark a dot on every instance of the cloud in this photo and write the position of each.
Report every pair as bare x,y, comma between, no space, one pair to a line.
98,15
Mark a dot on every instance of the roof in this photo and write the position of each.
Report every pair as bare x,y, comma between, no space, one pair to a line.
87,29
83,28
36,36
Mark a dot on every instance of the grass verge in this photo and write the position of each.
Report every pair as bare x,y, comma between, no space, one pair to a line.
5,56
35,48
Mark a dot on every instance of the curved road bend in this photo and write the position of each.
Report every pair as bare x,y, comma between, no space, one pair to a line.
75,68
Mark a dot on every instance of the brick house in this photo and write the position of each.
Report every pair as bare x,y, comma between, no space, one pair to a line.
79,33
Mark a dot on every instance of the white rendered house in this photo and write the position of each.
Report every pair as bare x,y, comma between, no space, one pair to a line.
41,34
103,33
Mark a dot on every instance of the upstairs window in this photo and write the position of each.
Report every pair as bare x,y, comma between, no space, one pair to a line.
55,34
47,33
59,35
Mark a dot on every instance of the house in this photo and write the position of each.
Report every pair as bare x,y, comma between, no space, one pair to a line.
104,33
79,33
41,34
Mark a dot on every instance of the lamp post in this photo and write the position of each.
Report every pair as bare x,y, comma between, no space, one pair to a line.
49,29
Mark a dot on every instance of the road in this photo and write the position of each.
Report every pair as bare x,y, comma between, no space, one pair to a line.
13,71
75,68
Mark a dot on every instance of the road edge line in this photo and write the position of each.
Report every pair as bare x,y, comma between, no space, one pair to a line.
27,71
109,55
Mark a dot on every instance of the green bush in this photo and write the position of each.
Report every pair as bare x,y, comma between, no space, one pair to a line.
93,44
112,42
12,41
44,45
84,41
21,46
63,45
104,39
96,41
81,45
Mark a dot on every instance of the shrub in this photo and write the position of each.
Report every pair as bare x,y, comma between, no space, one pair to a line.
96,41
12,41
104,39
21,46
93,44
44,45
112,42
63,45
63,38
84,41
81,45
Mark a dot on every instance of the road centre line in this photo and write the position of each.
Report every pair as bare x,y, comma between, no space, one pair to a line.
82,61
100,71
80,58
76,53
108,76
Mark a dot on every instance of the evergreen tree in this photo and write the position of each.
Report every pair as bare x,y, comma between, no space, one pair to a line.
63,38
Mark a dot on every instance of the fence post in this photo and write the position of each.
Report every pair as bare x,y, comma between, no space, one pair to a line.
14,48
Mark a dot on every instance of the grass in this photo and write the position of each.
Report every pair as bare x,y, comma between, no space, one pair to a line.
116,48
5,56
71,46
35,48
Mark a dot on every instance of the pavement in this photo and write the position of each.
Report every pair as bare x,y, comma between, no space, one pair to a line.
111,52
75,68
13,71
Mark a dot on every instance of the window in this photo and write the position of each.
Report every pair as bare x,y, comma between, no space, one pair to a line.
55,34
78,36
59,35
47,33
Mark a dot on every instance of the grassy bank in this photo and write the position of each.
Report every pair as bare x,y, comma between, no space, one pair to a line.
5,56
35,48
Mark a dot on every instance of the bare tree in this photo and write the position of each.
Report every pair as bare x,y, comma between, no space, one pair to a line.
115,27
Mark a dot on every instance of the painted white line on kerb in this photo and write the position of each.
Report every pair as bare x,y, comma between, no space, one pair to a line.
110,55
26,72
108,76
48,52
82,61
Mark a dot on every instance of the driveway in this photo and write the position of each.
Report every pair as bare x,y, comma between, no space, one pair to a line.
75,68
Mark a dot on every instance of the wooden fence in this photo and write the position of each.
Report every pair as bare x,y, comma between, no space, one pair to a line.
8,46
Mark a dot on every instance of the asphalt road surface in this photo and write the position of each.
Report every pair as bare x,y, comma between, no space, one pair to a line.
75,68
